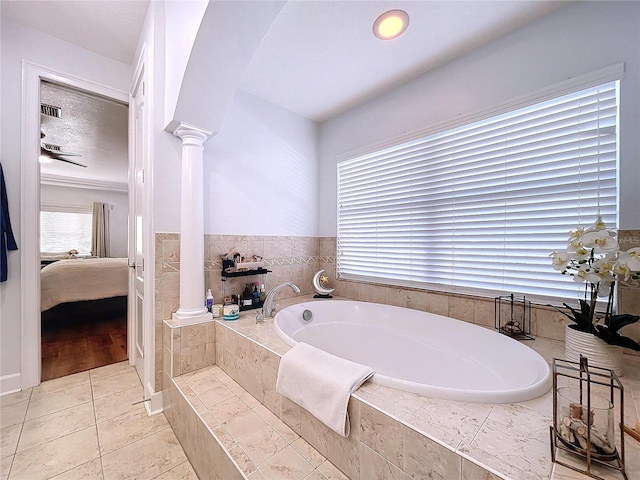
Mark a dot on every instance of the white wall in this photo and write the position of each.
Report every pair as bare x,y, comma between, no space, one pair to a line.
118,215
164,148
261,172
182,23
18,43
578,39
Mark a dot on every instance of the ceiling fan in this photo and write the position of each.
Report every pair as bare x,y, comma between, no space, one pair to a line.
54,152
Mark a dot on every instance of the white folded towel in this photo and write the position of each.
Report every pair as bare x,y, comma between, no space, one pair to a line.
321,383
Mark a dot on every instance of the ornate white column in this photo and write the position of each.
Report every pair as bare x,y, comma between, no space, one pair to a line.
192,309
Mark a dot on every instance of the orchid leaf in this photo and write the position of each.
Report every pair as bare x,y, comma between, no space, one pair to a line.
614,338
616,322
582,319
585,309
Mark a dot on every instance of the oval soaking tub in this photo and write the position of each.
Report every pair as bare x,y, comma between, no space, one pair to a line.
420,352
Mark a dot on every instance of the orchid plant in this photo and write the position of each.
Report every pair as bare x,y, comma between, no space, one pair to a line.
593,257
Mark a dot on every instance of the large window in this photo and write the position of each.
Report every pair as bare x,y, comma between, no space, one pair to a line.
63,228
478,208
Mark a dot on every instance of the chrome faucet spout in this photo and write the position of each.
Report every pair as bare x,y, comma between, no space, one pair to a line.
269,307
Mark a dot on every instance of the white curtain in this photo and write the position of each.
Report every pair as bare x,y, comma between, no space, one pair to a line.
100,230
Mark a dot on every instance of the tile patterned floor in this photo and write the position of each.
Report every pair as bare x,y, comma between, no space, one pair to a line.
84,427
261,444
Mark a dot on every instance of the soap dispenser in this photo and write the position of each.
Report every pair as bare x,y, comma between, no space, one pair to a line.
209,300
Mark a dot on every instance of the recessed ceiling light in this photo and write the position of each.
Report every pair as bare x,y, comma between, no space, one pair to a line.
391,24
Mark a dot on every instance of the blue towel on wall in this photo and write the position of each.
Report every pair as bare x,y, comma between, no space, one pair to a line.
7,240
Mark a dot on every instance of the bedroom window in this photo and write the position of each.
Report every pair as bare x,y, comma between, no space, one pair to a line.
478,208
64,228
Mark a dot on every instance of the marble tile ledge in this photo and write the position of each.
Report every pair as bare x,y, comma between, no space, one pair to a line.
261,445
509,440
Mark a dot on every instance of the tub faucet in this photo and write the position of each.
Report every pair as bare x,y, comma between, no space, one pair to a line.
269,307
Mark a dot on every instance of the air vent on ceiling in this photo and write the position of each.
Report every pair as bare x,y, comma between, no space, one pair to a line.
52,147
50,110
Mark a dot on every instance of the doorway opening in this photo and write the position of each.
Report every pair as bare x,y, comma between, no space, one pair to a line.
84,222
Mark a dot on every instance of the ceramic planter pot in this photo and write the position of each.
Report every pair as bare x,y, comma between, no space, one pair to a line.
599,353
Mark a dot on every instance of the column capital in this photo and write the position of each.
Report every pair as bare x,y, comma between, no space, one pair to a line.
187,132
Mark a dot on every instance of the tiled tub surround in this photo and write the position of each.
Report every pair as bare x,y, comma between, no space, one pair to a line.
298,258
293,259
395,435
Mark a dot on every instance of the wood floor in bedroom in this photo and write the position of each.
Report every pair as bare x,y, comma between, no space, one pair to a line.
82,342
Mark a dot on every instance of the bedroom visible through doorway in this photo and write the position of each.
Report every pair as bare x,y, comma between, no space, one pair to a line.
84,210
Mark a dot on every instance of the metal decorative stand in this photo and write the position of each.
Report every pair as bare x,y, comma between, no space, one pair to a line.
583,420
513,316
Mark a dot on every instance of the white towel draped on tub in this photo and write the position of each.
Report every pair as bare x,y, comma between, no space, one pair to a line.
321,383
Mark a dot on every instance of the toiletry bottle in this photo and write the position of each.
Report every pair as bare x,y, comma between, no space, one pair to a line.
247,298
256,294
263,294
209,300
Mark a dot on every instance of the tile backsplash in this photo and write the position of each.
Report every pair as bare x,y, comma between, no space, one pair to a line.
288,258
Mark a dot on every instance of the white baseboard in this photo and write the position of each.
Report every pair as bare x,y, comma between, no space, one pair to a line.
154,405
10,383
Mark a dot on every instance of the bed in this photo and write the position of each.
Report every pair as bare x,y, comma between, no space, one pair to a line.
75,280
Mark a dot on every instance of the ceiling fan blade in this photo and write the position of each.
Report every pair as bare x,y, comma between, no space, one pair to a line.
57,157
58,153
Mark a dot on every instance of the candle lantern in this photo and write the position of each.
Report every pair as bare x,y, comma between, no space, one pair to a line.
584,426
513,316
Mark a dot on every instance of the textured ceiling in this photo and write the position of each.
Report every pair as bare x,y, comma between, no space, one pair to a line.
92,126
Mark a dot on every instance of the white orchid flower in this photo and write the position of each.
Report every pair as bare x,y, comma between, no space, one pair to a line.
597,226
600,239
560,260
621,270
575,244
630,260
586,275
604,265
577,233
580,254
593,256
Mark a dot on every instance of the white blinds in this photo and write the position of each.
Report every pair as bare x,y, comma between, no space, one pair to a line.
61,231
482,206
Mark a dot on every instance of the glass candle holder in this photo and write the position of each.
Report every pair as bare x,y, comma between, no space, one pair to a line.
580,431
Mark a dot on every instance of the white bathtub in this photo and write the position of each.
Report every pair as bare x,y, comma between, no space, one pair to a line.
420,352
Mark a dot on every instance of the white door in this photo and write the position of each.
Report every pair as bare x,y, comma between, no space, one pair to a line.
136,239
